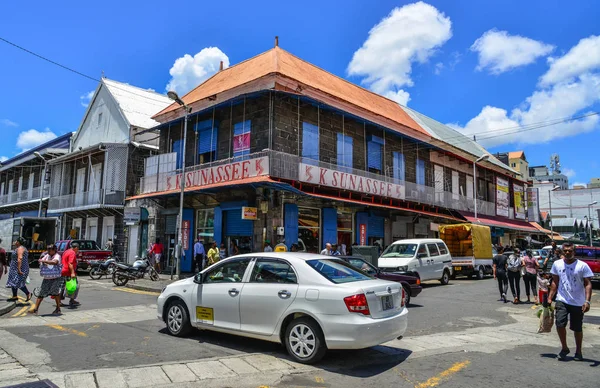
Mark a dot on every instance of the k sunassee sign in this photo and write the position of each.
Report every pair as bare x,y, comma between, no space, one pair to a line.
230,172
345,181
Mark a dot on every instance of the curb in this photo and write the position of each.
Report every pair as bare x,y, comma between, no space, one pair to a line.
144,288
7,308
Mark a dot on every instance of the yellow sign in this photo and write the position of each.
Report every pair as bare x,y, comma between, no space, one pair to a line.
249,213
205,315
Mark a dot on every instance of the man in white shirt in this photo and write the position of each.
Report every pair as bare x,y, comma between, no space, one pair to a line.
327,250
572,287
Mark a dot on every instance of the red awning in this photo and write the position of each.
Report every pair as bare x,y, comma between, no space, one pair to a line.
504,223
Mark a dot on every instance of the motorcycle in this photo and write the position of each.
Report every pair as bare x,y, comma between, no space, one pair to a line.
125,272
105,268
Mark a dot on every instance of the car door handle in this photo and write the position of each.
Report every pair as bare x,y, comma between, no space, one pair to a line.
233,292
284,294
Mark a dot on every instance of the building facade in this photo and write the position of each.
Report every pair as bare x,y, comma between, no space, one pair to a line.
279,150
540,174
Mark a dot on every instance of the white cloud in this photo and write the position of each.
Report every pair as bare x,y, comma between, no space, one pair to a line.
438,68
3,159
400,96
8,123
568,105
411,33
188,72
569,172
583,57
86,98
500,52
32,138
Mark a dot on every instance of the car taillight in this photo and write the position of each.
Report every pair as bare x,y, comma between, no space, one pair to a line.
357,304
403,298
418,281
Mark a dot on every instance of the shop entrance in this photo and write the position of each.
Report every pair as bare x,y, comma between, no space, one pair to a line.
344,232
238,232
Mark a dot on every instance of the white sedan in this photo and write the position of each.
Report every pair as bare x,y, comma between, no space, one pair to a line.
309,303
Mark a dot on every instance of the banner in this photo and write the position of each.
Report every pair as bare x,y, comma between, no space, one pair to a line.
342,180
241,142
533,205
519,201
249,213
502,197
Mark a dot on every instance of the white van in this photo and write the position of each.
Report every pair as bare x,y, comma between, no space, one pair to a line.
427,258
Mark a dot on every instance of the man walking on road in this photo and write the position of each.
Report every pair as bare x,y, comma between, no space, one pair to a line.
499,266
572,287
69,271
199,254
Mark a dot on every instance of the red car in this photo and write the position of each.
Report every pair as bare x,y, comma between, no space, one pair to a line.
591,256
89,252
411,284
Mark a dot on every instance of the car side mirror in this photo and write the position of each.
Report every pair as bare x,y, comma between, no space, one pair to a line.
198,278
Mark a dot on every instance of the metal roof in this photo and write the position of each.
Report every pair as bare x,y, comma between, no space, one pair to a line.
138,105
557,222
52,148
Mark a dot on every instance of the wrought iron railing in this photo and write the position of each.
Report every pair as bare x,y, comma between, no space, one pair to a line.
86,200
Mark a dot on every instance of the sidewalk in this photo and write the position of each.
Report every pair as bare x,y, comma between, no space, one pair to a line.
157,286
6,306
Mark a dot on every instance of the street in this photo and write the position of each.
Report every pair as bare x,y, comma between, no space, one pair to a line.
458,336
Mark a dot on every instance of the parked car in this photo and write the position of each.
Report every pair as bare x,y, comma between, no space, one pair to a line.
591,256
411,284
309,303
89,252
428,259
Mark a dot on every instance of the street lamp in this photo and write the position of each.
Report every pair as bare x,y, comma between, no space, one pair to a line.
590,219
480,159
556,187
38,155
173,96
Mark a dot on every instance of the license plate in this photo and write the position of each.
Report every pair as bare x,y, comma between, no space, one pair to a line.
457,268
387,302
205,315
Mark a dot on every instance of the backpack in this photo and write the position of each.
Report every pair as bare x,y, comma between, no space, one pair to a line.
514,263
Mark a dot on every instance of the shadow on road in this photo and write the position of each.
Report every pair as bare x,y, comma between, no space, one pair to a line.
593,363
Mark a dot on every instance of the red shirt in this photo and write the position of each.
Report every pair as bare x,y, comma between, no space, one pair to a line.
157,248
68,257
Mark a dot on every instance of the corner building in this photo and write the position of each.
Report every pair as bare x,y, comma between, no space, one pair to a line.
280,150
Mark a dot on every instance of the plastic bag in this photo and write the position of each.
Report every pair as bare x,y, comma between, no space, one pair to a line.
546,320
27,280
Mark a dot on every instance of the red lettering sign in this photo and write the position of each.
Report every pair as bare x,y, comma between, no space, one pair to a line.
186,235
363,234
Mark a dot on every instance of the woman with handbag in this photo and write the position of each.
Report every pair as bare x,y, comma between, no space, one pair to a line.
18,274
50,270
529,270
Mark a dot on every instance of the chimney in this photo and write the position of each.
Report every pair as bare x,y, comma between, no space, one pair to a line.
221,66
276,41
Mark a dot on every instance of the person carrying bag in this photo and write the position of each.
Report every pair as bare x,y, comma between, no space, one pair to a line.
50,270
514,276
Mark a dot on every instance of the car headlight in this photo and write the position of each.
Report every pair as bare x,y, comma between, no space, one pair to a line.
403,268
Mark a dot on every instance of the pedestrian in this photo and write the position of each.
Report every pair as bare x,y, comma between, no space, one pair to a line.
213,254
157,250
294,247
334,250
281,247
110,246
235,249
222,253
572,287
552,255
69,271
268,247
530,277
19,270
499,267
327,250
343,250
3,262
51,270
199,255
514,275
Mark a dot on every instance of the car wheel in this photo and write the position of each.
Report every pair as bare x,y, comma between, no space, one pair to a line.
406,296
178,321
480,273
304,341
445,277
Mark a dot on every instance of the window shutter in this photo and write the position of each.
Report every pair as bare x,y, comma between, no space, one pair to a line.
374,155
399,166
310,141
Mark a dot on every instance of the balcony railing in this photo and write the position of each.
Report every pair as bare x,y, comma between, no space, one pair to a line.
86,200
24,196
287,166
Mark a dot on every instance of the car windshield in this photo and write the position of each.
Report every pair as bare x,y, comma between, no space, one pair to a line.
337,271
87,245
400,250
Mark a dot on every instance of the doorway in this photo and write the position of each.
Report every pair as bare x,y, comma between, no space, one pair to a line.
80,187
76,229
108,229
91,229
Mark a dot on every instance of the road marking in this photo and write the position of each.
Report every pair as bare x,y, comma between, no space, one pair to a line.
23,311
132,291
319,379
534,307
436,380
67,330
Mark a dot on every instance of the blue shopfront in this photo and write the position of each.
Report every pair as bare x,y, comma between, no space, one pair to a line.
231,230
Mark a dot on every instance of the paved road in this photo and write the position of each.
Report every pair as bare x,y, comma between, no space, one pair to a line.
459,332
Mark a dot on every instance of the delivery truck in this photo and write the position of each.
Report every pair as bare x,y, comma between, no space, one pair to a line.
470,247
37,231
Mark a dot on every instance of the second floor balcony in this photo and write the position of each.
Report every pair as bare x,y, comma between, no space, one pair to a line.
25,196
86,200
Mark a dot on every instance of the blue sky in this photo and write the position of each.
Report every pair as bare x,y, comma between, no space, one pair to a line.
479,65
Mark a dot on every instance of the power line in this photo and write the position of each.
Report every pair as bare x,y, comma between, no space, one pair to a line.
73,70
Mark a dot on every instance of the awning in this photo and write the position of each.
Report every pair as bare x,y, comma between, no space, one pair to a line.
557,236
505,224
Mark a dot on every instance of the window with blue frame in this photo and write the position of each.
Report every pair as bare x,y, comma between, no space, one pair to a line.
421,173
177,144
398,166
310,141
344,151
374,154
207,141
241,138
